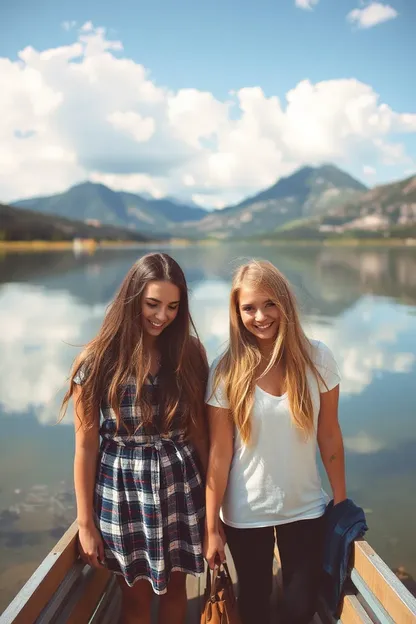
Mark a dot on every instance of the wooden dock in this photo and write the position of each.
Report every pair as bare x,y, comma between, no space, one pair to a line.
63,590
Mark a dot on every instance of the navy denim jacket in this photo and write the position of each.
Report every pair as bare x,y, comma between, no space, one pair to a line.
345,523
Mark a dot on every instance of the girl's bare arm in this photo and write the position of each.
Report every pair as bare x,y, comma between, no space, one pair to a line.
331,444
85,469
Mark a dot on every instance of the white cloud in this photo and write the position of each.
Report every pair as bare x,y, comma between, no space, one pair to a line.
371,15
209,201
196,115
141,129
369,171
87,27
85,111
306,4
391,153
132,182
68,25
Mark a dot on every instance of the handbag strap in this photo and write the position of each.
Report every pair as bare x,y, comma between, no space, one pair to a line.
211,586
208,582
229,580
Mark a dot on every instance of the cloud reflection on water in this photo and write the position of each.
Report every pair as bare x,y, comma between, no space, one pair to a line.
38,325
368,339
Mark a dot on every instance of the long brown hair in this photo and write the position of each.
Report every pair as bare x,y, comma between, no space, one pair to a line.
117,353
236,369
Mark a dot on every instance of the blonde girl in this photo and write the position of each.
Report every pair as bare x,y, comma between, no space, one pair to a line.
272,401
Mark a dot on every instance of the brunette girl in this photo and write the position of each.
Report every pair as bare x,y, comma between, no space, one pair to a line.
140,496
273,399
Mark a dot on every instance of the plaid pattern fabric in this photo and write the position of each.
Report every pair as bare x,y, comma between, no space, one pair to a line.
149,496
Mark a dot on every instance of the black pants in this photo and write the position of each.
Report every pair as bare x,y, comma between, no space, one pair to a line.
300,546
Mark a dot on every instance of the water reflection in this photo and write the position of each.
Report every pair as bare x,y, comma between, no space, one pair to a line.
38,325
368,338
360,302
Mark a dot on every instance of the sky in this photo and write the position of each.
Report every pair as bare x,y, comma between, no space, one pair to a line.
207,102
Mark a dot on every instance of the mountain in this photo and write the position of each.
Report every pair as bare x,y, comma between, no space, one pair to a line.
313,201
20,224
164,212
308,192
98,203
389,205
304,183
384,211
177,212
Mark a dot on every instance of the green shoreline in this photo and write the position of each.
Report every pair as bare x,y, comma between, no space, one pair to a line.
39,245
32,246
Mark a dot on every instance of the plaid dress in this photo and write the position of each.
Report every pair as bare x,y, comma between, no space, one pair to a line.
149,496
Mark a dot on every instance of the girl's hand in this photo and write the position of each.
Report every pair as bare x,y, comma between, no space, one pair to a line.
91,546
214,549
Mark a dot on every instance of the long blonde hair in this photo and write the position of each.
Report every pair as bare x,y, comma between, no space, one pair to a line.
118,354
236,370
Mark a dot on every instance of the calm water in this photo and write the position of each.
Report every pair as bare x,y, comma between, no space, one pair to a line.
362,303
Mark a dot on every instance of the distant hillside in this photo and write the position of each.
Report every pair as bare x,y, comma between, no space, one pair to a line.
177,212
305,183
95,202
313,202
19,224
385,211
308,192
380,208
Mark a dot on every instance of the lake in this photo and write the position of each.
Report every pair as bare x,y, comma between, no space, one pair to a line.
359,301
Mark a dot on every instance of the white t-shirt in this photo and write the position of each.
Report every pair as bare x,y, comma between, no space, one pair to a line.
275,479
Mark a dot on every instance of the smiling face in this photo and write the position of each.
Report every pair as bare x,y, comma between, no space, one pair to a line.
160,305
258,313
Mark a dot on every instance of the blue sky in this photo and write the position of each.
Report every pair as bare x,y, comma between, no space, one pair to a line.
217,48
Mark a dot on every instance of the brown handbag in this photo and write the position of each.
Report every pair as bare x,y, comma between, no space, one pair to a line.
220,604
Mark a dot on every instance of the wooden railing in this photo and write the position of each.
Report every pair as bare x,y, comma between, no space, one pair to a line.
64,590
375,594
378,595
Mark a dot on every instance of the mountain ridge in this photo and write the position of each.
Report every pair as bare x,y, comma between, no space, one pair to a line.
323,197
299,176
309,191
95,202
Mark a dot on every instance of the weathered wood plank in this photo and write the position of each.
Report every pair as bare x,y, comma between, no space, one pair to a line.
60,597
353,612
106,601
384,584
75,595
36,593
193,586
87,603
194,590
60,577
112,614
